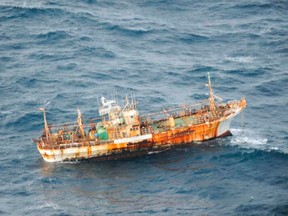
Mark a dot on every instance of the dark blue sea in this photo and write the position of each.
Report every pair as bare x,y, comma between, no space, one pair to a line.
65,54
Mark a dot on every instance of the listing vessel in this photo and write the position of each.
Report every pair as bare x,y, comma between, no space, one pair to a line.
120,131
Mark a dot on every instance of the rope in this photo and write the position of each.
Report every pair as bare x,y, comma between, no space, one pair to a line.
243,122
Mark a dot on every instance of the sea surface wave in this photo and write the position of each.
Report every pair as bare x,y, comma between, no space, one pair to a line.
62,55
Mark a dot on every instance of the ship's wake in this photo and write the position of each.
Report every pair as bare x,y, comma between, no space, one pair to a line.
251,139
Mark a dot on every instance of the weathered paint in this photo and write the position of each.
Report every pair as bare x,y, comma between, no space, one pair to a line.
160,135
161,140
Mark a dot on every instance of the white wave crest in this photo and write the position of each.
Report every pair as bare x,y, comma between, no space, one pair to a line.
46,102
154,152
23,5
241,59
49,205
70,162
88,97
6,113
249,139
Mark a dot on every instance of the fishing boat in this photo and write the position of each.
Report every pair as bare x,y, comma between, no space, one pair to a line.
120,131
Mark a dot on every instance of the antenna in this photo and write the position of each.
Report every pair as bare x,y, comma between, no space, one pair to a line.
218,97
132,101
127,101
135,102
97,101
116,97
166,112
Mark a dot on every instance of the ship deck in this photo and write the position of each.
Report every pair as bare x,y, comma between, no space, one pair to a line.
182,121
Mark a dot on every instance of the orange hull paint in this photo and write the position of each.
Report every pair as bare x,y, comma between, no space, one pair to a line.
159,141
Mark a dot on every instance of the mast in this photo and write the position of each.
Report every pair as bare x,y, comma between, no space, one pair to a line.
211,94
46,127
80,123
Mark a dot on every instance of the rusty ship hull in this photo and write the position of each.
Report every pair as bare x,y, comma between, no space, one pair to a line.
120,131
138,145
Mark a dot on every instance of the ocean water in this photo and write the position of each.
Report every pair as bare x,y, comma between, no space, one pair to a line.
65,54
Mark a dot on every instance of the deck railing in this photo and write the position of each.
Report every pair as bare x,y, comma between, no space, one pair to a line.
70,144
